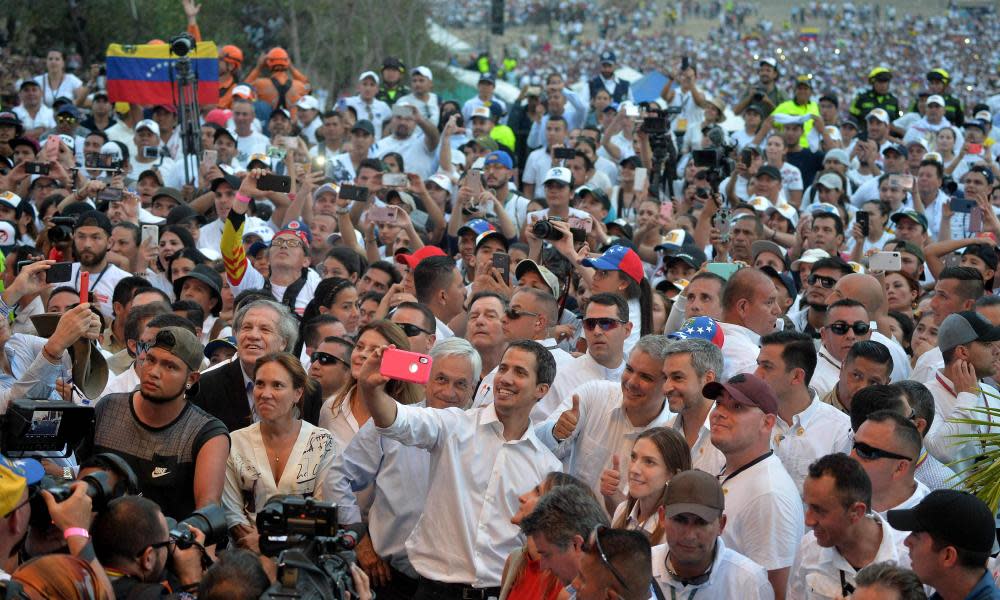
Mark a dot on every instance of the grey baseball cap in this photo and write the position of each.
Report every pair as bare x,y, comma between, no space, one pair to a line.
966,327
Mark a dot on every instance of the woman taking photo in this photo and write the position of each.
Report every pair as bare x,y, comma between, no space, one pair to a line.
280,454
658,454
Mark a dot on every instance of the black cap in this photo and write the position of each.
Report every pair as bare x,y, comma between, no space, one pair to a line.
391,62
206,275
987,254
93,218
229,178
364,125
169,192
956,518
771,171
222,131
693,256
182,213
597,193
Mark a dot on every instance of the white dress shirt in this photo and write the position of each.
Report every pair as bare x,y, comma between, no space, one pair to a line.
827,373
732,575
340,422
816,574
764,518
914,499
927,365
556,400
464,535
602,431
584,368
900,361
632,522
948,405
124,382
704,456
377,112
739,351
815,432
441,330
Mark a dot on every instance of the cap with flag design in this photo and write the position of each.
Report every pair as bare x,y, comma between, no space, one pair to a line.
476,227
618,258
704,328
299,229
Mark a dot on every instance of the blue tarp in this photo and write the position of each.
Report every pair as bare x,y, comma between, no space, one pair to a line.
648,87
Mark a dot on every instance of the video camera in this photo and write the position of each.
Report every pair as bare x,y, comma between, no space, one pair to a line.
44,426
715,158
314,554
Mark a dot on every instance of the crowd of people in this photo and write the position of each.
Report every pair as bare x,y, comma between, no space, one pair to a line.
554,348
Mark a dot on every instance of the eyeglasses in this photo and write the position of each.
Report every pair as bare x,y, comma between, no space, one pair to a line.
412,330
605,323
165,544
826,282
594,541
286,243
326,359
858,327
513,314
867,452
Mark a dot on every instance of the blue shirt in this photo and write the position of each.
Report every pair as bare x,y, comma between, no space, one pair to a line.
986,589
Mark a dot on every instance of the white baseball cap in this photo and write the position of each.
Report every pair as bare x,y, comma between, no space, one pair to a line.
148,124
308,103
368,74
935,99
878,114
421,70
560,174
441,180
809,257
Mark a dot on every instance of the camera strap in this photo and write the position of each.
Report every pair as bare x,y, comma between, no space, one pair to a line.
281,89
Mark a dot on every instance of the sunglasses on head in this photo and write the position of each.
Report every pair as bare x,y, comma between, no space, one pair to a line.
326,359
605,323
826,282
412,330
513,314
858,327
594,542
867,452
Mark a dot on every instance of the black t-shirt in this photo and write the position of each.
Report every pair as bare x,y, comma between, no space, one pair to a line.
807,162
163,458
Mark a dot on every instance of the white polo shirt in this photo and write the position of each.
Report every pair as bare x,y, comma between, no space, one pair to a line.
815,432
739,351
732,575
914,499
704,456
764,518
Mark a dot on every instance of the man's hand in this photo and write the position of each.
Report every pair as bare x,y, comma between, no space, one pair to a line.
374,565
29,281
79,321
611,478
187,563
964,377
75,511
567,421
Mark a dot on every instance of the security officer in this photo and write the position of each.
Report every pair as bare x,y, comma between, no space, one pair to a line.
938,81
392,87
877,96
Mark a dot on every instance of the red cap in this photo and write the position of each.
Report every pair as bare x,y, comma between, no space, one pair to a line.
748,389
412,260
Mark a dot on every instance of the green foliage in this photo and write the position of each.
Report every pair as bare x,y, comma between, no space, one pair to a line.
982,477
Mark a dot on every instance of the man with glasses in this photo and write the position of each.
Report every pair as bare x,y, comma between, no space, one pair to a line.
818,286
605,327
844,534
417,322
399,474
330,364
696,561
846,322
612,559
132,541
597,432
869,291
888,445
967,341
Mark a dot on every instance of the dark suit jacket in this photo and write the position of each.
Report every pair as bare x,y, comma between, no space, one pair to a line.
222,393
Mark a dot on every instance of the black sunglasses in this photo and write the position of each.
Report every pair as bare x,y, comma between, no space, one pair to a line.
325,358
514,314
606,324
594,541
867,452
826,282
412,330
858,327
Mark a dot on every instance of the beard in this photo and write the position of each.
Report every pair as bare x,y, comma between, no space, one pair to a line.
162,397
90,259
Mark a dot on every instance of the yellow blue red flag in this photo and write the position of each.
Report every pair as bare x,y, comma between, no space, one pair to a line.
145,73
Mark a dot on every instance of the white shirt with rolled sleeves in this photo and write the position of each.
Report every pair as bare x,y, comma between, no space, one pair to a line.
602,431
733,575
559,396
817,571
739,351
950,404
464,534
102,286
764,518
400,476
704,455
817,431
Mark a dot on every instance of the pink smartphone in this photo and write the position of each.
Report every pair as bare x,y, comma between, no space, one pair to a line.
975,148
51,150
403,365
667,210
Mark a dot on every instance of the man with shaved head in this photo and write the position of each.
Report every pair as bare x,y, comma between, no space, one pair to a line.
868,291
749,310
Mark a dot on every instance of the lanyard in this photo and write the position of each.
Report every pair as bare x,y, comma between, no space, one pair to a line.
753,462
846,589
93,286
955,395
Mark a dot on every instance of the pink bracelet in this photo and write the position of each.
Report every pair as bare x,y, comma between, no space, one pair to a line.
291,196
242,198
76,532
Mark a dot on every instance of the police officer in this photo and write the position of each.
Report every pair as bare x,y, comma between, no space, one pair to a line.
392,87
877,96
938,81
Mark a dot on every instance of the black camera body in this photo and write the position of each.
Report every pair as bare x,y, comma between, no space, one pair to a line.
182,44
546,231
61,230
210,520
99,489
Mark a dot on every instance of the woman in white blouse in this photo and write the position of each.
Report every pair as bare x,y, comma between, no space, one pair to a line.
280,454
658,454
57,83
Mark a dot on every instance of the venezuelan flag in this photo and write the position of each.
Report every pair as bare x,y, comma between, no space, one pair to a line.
144,74
808,34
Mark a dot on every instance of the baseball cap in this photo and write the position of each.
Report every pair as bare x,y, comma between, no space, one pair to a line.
547,276
618,258
219,116
850,121
299,229
809,257
205,274
263,232
839,155
760,203
182,344
608,57
746,388
68,109
481,112
404,198
487,78
10,199
280,111
704,328
899,148
424,71
965,327
771,171
172,193
93,218
987,254
15,477
148,124
181,214
560,174
955,517
879,114
442,181
218,343
692,256
696,492
414,259
910,247
243,91
482,237
824,208
330,187
364,125
368,74
830,181
760,246
485,142
981,125
222,131
769,61
308,103
787,211
9,118
673,241
227,177
391,62
498,158
935,99
116,150
913,215
784,277
596,193
476,226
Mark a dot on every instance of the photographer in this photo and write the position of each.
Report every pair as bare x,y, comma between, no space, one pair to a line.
132,539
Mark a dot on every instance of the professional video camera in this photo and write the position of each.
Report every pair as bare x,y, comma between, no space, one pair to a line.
31,427
181,44
656,126
314,554
715,158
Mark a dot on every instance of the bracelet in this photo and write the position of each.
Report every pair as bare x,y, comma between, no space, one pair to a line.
52,358
291,196
76,532
242,198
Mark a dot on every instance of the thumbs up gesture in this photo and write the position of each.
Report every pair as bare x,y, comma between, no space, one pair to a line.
567,421
611,478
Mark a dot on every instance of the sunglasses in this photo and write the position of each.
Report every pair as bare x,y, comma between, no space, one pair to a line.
858,327
826,282
412,330
594,541
606,324
867,452
513,314
326,359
